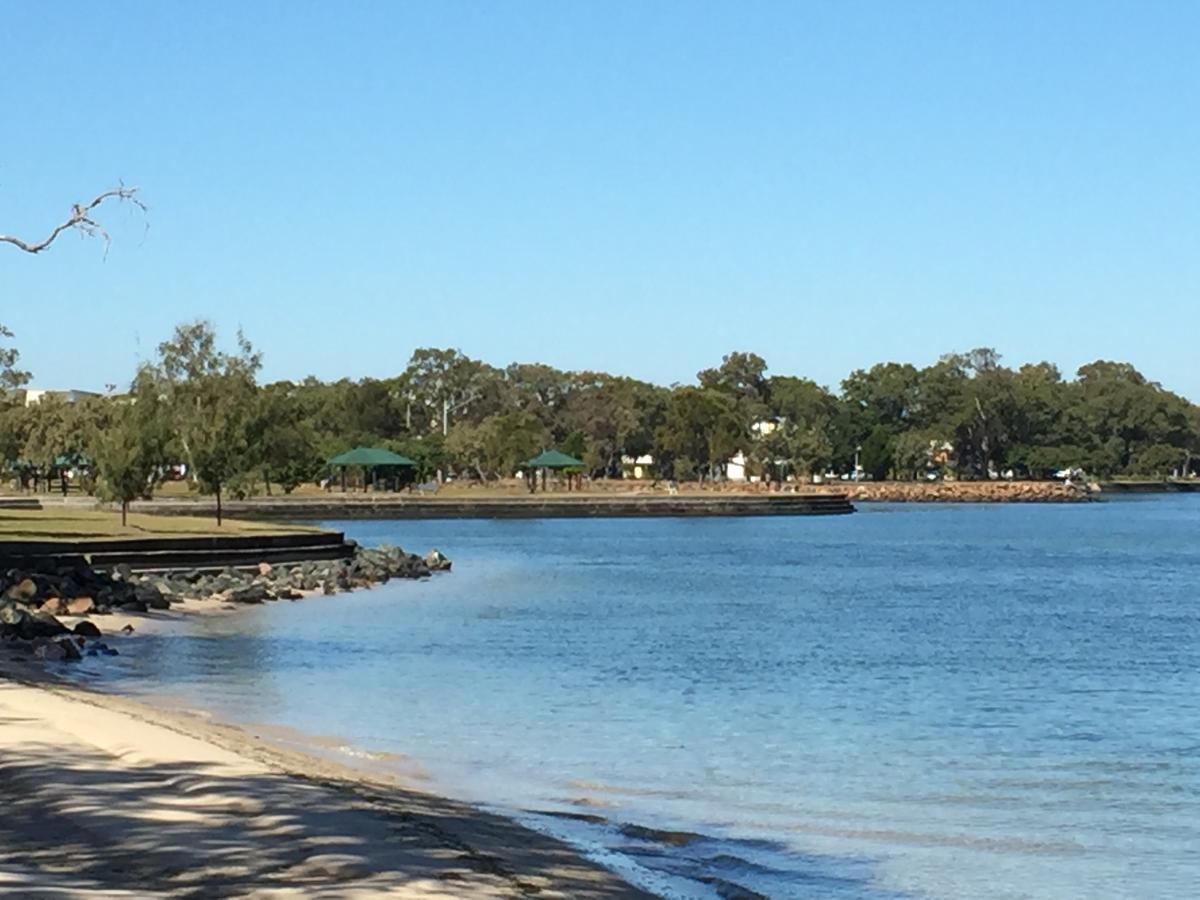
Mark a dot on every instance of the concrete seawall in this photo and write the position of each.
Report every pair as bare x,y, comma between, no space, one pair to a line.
1150,487
151,553
384,506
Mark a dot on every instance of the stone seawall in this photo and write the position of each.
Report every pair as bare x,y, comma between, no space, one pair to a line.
393,506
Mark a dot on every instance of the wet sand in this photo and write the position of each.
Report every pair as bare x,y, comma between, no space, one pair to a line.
104,796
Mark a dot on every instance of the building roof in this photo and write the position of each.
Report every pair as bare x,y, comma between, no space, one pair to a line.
553,459
370,456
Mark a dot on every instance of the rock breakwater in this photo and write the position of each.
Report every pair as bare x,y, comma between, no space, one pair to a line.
32,602
968,492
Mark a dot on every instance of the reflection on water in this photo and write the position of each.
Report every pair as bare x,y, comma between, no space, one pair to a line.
913,701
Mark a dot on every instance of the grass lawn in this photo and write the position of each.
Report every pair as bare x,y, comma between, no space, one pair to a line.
81,524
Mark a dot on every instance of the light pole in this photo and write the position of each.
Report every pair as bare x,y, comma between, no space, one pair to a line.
857,450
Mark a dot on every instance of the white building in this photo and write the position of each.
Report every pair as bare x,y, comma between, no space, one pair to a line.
31,396
636,467
735,468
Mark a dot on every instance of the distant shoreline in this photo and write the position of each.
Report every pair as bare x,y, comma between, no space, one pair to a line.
611,504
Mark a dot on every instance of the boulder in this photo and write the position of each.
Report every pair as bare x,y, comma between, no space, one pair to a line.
265,568
81,605
436,561
151,597
251,593
12,615
39,624
53,607
24,590
86,629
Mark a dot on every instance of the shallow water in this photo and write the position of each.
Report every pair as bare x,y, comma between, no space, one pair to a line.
915,701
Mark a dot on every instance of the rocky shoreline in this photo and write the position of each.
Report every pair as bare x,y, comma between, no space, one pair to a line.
968,492
32,602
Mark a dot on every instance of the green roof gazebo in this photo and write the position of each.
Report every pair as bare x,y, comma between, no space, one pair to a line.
552,459
369,458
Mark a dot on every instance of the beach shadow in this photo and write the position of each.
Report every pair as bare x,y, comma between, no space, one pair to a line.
75,822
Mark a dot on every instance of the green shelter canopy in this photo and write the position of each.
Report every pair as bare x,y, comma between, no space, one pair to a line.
553,459
369,457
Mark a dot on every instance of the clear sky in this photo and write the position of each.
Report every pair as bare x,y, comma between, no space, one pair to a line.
636,187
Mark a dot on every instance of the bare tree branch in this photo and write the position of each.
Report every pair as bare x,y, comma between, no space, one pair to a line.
81,220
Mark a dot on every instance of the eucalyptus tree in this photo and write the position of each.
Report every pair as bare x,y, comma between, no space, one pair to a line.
128,445
210,397
701,431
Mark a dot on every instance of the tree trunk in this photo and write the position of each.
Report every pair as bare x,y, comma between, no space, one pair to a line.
267,480
218,505
124,512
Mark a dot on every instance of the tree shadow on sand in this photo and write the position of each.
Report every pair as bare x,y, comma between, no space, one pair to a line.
75,823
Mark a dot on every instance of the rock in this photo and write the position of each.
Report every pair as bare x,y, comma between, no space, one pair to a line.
56,651
53,607
265,568
87,629
49,650
436,561
151,597
24,590
123,572
251,593
80,605
40,624
12,615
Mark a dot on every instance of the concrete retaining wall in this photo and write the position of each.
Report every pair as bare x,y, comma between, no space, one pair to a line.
393,507
176,552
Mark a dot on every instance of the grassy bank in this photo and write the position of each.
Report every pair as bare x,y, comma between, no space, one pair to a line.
70,524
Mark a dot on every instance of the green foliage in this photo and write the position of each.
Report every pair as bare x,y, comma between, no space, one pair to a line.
574,444
210,397
126,455
1158,460
201,405
913,455
10,376
702,429
877,453
427,451
498,445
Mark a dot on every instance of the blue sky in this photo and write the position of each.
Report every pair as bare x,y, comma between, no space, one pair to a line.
634,187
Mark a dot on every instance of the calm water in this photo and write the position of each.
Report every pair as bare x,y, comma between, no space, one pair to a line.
915,701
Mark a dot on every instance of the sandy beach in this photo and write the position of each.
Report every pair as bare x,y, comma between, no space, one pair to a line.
104,796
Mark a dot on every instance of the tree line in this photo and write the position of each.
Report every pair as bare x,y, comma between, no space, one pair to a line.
966,416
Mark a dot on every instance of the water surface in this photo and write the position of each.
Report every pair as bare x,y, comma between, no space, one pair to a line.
915,701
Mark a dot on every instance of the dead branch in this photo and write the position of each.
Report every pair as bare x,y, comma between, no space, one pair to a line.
81,220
